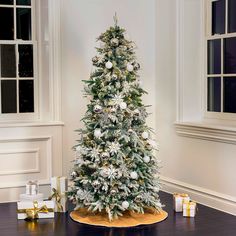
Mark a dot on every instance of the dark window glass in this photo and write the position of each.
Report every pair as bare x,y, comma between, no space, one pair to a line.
214,94
26,61
26,95
23,2
230,94
214,56
23,23
6,23
6,2
8,61
8,96
229,55
218,17
231,16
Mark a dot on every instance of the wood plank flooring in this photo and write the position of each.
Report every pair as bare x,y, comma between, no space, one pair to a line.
208,222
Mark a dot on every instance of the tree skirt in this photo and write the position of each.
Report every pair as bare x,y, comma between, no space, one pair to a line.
129,219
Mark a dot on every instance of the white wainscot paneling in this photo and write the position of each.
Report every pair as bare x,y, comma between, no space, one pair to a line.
25,158
22,161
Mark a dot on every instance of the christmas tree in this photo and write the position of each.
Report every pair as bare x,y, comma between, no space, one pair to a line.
115,168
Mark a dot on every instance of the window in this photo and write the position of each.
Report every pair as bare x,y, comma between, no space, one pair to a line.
221,57
18,84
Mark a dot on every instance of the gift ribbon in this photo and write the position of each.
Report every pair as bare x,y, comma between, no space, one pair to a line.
57,196
32,213
188,206
180,195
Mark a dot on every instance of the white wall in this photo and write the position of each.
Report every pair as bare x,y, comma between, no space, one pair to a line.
205,169
82,22
202,168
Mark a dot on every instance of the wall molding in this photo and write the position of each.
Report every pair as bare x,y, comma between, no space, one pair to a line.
22,151
48,144
204,196
202,131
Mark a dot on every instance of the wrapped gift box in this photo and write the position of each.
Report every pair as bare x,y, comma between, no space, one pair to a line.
59,186
178,199
189,209
32,187
31,198
46,212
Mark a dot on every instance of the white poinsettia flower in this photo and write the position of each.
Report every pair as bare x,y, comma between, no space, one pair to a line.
114,147
94,152
117,99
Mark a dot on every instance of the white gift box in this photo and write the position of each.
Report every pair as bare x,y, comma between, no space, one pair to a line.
189,209
178,199
32,187
31,198
60,184
23,206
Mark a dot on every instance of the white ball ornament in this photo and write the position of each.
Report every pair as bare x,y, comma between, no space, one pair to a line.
130,68
133,175
109,65
145,135
146,159
97,133
123,105
125,204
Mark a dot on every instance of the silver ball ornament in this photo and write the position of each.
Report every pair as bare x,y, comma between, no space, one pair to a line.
109,65
97,108
130,67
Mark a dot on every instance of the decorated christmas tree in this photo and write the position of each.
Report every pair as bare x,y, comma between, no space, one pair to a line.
115,168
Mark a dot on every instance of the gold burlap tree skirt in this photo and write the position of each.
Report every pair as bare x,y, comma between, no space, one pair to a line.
129,219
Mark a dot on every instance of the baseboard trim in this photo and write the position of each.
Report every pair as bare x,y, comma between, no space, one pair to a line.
205,197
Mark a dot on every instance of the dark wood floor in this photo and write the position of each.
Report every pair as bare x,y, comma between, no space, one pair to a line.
208,222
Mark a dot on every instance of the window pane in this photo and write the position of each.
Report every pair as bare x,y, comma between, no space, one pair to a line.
6,2
230,94
231,16
218,17
23,23
214,56
6,23
8,96
8,61
23,2
26,95
230,55
214,94
26,61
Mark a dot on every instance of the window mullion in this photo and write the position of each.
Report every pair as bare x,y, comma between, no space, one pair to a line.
222,68
17,78
226,16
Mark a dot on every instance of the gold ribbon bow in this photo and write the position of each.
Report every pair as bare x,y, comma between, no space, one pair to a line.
32,213
57,197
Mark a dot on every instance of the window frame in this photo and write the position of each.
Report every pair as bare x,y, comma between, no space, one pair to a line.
31,116
208,36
